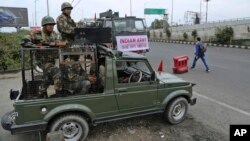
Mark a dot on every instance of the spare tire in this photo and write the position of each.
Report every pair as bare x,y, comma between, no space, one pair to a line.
7,120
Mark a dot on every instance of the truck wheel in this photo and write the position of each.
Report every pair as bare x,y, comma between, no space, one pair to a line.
176,111
73,126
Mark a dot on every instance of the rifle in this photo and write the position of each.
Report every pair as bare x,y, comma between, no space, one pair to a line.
58,44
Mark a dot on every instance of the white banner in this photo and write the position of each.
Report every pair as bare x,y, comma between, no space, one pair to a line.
132,43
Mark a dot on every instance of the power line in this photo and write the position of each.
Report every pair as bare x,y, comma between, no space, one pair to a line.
77,3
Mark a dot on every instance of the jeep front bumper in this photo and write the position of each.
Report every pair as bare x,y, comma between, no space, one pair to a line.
8,123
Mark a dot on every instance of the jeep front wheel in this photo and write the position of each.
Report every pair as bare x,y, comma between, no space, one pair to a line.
73,126
176,111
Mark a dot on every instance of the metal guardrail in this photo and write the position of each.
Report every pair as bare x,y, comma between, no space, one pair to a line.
192,43
220,21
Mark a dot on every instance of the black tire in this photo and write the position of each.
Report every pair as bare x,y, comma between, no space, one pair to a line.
176,110
73,126
6,120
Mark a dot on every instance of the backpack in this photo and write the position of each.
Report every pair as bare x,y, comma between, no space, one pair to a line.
203,48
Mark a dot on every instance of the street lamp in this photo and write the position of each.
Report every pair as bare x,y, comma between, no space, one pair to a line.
206,9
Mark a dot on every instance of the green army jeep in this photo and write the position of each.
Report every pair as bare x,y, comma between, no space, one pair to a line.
125,86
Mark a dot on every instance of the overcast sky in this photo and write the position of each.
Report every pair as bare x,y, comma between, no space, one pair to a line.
217,9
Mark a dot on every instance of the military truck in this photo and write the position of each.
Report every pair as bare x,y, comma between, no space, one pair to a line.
128,28
126,86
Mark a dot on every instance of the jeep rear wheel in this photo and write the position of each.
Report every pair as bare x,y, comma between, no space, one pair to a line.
73,126
176,111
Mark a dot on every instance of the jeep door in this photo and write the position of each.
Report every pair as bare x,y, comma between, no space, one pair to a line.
133,87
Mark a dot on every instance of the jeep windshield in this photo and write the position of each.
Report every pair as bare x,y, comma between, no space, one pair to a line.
129,25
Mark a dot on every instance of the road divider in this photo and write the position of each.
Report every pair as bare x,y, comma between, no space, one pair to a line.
192,43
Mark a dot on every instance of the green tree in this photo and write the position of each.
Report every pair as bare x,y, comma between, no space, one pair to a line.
154,34
224,35
168,33
10,55
156,24
161,34
194,34
185,36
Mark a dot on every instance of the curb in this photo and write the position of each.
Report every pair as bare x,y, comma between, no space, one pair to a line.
10,74
192,43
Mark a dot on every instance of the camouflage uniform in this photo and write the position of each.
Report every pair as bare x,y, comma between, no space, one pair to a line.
45,58
74,78
65,24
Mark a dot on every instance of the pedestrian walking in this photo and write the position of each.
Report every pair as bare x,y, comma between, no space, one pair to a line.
200,54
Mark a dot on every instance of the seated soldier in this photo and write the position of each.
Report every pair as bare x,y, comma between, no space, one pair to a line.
45,59
74,77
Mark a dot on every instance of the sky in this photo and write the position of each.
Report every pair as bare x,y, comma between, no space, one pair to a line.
218,10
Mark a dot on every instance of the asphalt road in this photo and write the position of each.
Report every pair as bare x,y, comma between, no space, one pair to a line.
223,94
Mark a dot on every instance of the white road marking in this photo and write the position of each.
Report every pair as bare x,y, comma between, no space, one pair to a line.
222,104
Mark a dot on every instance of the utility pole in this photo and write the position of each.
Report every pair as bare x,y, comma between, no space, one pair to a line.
130,8
172,12
48,7
207,9
35,14
200,8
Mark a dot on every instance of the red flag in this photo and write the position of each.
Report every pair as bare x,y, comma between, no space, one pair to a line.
160,67
95,18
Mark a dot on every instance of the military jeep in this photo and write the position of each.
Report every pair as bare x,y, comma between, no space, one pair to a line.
126,86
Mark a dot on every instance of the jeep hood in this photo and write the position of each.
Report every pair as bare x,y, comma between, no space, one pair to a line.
169,79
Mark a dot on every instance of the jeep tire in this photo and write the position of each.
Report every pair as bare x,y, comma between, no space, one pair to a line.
6,120
73,126
176,110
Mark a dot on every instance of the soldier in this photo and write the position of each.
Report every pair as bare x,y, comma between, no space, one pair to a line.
45,58
74,77
65,24
43,36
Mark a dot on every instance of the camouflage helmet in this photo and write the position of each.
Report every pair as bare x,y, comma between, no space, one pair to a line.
66,5
48,20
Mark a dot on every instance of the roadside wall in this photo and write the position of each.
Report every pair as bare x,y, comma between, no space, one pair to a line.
207,31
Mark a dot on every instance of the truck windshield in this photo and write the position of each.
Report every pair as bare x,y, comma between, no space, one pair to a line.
129,25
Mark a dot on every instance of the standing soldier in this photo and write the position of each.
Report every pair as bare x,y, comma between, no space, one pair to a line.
65,24
45,58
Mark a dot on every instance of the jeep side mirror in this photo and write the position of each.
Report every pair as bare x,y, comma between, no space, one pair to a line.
152,77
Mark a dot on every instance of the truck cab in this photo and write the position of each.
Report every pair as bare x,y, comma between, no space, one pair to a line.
128,27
